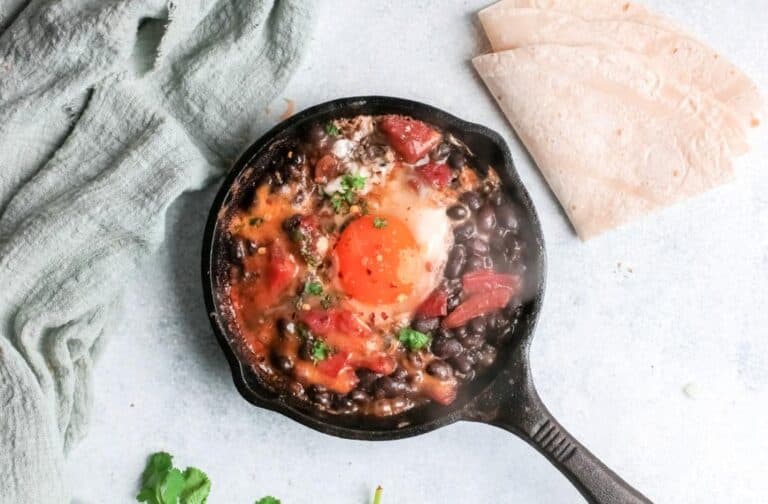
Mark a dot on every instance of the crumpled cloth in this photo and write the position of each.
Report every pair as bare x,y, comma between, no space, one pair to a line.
93,150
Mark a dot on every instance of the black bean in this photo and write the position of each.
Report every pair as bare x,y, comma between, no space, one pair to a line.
486,218
359,395
317,134
283,363
387,387
343,403
464,232
495,321
456,261
468,376
426,325
472,341
366,378
453,302
452,286
445,348
462,363
295,388
440,369
496,198
440,152
472,200
291,223
457,212
475,263
477,325
478,246
459,332
506,215
499,238
283,326
399,374
320,395
457,160
486,356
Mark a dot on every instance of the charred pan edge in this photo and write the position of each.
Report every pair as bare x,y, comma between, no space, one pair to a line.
489,149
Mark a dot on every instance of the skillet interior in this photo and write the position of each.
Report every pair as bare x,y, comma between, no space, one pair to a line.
246,174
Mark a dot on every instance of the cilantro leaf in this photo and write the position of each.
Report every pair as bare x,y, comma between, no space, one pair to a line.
164,484
268,500
412,338
379,222
313,288
320,351
337,202
331,129
352,182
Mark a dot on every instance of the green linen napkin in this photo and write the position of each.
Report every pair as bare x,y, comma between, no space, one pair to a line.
93,150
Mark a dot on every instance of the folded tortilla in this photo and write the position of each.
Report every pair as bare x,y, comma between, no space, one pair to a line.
615,137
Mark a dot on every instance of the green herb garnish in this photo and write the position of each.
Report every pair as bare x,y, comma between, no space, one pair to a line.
332,129
256,221
337,202
161,483
320,351
268,500
313,288
352,182
326,301
412,338
379,222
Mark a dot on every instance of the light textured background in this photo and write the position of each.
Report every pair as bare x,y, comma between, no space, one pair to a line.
629,319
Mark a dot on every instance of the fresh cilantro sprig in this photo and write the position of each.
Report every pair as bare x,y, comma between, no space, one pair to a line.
268,500
161,483
342,199
332,130
413,339
313,288
320,351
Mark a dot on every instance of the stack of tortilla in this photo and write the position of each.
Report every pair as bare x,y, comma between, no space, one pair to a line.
623,111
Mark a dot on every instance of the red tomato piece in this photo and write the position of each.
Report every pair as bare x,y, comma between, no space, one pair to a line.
282,269
333,364
436,174
485,280
382,364
410,138
436,305
476,305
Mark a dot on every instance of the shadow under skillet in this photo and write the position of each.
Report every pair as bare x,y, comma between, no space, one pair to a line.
184,225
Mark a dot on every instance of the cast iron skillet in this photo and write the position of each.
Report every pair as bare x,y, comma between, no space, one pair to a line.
504,397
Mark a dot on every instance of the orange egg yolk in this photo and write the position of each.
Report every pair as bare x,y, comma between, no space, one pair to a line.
377,259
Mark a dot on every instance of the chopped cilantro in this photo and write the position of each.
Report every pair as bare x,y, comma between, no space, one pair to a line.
379,222
326,301
161,483
337,202
412,338
352,182
268,500
332,129
313,288
256,221
320,351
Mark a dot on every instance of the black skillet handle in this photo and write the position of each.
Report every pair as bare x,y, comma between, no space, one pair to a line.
514,405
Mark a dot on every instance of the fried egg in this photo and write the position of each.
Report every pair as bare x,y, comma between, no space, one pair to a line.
389,261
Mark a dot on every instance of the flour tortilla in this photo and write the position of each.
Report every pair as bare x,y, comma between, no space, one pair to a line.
684,58
614,137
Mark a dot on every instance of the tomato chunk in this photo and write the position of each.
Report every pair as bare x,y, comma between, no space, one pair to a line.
436,174
345,333
333,364
486,280
281,271
436,305
476,305
410,138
